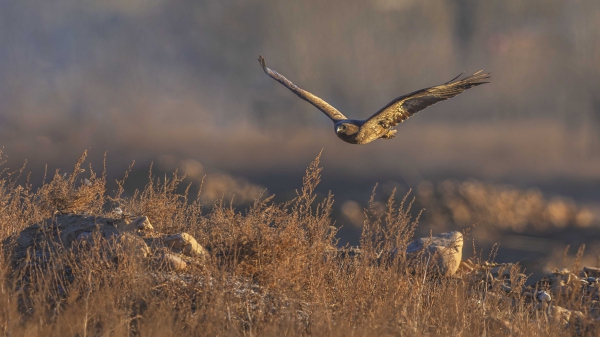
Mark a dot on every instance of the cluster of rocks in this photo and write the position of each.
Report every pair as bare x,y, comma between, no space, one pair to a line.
562,297
135,238
569,299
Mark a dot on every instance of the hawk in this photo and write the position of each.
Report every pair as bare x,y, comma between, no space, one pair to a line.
383,122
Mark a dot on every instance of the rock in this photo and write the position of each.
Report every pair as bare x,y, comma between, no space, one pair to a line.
561,315
528,296
351,252
185,244
563,276
496,299
543,296
541,306
501,270
71,226
139,224
595,309
85,239
482,274
565,317
559,289
466,267
444,249
593,292
64,229
564,282
116,240
499,325
133,246
592,272
171,262
26,238
85,236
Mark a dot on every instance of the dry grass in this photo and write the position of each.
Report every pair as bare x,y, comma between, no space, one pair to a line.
274,269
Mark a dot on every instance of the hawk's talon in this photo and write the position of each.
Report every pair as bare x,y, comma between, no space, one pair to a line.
390,134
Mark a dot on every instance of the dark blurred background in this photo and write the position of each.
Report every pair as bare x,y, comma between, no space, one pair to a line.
177,83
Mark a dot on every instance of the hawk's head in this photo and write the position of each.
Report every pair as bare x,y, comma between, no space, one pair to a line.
346,130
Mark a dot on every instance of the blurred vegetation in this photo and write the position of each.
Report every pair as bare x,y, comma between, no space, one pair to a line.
148,78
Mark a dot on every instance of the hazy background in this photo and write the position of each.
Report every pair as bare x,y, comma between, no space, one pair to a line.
177,82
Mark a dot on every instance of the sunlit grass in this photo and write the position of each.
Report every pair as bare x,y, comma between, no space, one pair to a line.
274,269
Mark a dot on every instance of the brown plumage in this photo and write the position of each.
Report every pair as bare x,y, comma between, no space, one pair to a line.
382,123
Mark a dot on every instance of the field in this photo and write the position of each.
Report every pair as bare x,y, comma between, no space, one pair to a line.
272,269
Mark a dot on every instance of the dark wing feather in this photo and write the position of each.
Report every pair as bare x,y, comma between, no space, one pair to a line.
320,104
405,106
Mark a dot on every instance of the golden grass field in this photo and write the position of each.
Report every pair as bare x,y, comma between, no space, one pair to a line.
273,270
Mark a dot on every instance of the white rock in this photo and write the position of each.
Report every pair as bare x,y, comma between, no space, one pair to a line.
185,244
171,262
133,246
444,250
140,224
71,226
543,296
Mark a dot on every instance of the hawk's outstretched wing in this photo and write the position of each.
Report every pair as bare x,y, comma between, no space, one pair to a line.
320,104
405,106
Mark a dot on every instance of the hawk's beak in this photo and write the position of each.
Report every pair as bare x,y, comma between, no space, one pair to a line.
337,129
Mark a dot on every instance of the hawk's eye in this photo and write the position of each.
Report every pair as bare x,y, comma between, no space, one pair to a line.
344,127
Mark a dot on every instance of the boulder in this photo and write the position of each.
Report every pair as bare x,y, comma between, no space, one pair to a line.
565,317
117,241
443,251
592,272
501,270
141,224
185,244
171,262
66,229
563,282
500,325
85,237
134,246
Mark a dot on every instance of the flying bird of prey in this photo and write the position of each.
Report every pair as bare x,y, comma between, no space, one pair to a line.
383,122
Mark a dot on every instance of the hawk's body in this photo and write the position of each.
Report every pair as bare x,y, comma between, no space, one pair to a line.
382,123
